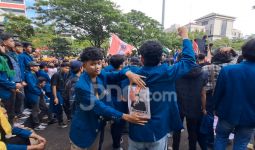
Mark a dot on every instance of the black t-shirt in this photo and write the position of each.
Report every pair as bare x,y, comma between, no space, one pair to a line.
59,80
189,90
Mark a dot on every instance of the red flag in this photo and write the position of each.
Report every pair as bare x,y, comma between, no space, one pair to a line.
117,46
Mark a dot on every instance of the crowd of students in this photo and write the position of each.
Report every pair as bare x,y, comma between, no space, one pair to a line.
209,87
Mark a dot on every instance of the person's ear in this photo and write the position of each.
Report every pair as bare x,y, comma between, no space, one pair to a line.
142,60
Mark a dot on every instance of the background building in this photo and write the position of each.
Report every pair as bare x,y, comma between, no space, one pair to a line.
236,34
193,27
16,7
217,25
173,28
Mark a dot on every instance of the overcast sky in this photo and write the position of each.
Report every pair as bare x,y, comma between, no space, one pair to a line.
185,11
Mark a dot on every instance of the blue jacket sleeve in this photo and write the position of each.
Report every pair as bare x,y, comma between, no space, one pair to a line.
115,76
21,132
22,67
6,83
16,147
219,88
186,63
90,102
33,88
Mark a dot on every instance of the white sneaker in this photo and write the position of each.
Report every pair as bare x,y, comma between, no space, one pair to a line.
27,113
43,124
40,127
28,109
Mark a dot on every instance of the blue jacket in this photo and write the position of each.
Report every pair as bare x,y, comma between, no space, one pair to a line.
108,68
32,90
235,94
87,120
6,84
42,73
24,60
22,133
164,110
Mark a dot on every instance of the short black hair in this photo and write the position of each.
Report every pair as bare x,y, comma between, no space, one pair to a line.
117,60
65,64
200,57
248,50
239,59
222,57
152,52
18,44
6,36
26,44
135,61
91,53
41,80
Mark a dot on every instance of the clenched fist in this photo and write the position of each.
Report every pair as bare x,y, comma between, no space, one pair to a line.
183,32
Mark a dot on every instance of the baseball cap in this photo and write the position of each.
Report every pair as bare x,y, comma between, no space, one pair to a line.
76,64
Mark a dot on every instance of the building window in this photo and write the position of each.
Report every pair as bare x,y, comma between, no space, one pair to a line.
204,23
13,1
14,11
224,28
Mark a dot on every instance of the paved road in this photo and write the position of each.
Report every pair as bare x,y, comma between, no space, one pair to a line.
57,139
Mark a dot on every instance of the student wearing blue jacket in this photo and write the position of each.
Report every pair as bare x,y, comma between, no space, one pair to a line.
160,79
234,98
25,58
117,62
33,93
7,73
91,101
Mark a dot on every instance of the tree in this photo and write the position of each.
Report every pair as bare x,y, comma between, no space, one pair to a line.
61,46
92,20
225,42
18,26
196,34
136,27
171,40
43,36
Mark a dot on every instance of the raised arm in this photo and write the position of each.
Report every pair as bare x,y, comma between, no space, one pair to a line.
187,62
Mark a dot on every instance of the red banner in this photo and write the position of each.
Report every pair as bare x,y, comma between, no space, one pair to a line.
117,46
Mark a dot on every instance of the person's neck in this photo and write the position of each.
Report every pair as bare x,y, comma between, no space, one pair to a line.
32,71
93,78
78,74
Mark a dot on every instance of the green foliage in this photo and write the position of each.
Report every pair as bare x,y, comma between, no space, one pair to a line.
171,40
196,34
93,20
43,36
136,27
225,42
61,47
18,26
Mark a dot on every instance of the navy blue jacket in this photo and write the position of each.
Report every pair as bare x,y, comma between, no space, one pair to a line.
163,104
87,120
22,133
24,60
235,94
42,73
32,90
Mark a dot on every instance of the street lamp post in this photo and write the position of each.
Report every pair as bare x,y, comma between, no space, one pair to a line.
163,13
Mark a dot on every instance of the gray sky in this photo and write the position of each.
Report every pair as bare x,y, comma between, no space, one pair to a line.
185,11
